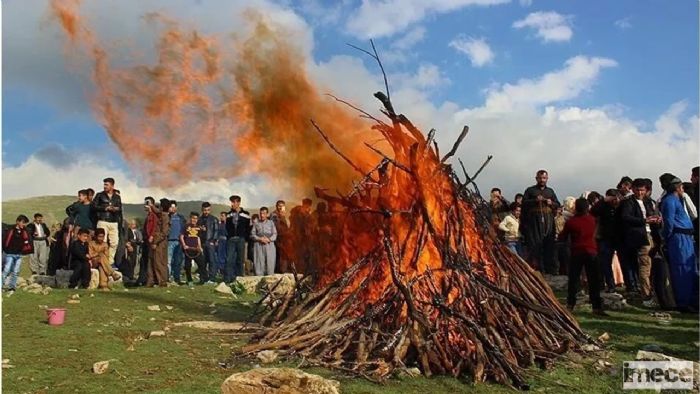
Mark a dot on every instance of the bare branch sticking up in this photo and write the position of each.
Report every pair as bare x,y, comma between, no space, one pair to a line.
452,151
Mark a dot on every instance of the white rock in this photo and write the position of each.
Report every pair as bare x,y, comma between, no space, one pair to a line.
154,308
100,367
223,289
267,356
158,333
278,380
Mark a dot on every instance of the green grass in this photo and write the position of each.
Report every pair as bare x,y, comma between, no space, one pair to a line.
59,359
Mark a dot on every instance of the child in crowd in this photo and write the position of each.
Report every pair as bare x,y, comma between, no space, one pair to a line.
80,260
16,244
191,242
98,250
581,229
264,235
510,225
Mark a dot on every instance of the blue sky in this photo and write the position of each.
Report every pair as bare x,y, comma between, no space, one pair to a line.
646,51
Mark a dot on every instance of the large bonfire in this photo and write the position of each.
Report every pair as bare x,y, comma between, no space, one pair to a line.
409,275
417,278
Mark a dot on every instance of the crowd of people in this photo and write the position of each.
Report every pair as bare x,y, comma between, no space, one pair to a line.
652,244
624,231
156,250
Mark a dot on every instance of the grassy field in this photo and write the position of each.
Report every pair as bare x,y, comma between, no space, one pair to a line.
111,326
54,208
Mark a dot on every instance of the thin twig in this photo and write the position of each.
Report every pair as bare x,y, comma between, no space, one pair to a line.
328,141
449,154
394,162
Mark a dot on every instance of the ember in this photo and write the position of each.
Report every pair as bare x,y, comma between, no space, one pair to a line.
418,279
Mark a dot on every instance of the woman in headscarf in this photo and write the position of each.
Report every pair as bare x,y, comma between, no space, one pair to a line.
677,232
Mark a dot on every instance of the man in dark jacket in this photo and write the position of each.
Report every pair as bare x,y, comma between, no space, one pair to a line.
210,229
16,243
39,232
237,232
537,223
637,216
608,235
108,207
80,261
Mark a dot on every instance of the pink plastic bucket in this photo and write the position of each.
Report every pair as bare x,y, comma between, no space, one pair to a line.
56,316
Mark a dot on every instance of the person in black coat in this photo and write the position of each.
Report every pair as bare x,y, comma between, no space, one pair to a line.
80,260
637,216
238,233
608,234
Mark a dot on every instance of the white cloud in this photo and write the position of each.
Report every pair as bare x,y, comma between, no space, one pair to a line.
578,75
413,37
550,26
89,172
624,23
525,3
382,18
477,49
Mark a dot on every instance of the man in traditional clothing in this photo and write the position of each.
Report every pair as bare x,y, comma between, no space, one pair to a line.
158,244
678,232
39,232
264,235
537,223
283,243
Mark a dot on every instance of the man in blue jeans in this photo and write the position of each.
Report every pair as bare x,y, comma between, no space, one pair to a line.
175,256
210,228
16,243
237,234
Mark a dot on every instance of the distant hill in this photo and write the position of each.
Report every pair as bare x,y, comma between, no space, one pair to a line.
54,208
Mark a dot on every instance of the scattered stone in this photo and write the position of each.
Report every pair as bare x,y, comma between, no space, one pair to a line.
43,307
168,307
130,348
223,289
152,319
75,296
63,278
267,356
590,348
33,288
46,290
652,347
21,282
217,325
6,363
73,301
278,380
45,280
611,301
100,367
213,312
604,337
410,372
115,310
155,308
154,334
92,294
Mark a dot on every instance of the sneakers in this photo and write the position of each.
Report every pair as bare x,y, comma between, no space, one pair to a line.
117,275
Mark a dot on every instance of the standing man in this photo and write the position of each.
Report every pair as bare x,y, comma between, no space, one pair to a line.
537,224
175,257
149,225
80,213
237,232
283,243
222,248
134,240
209,234
694,192
499,205
108,206
39,232
637,214
158,244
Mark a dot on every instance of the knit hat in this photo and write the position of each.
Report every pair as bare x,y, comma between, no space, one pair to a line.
669,181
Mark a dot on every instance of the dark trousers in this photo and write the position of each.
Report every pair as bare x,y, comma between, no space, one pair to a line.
543,252
235,247
629,266
188,267
81,274
207,268
143,264
606,251
588,262
129,264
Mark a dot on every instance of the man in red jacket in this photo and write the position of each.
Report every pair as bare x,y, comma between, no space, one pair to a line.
581,229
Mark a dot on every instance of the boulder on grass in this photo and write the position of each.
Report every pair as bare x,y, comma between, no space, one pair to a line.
63,278
278,381
45,280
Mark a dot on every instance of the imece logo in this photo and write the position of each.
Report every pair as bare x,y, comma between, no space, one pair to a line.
657,375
